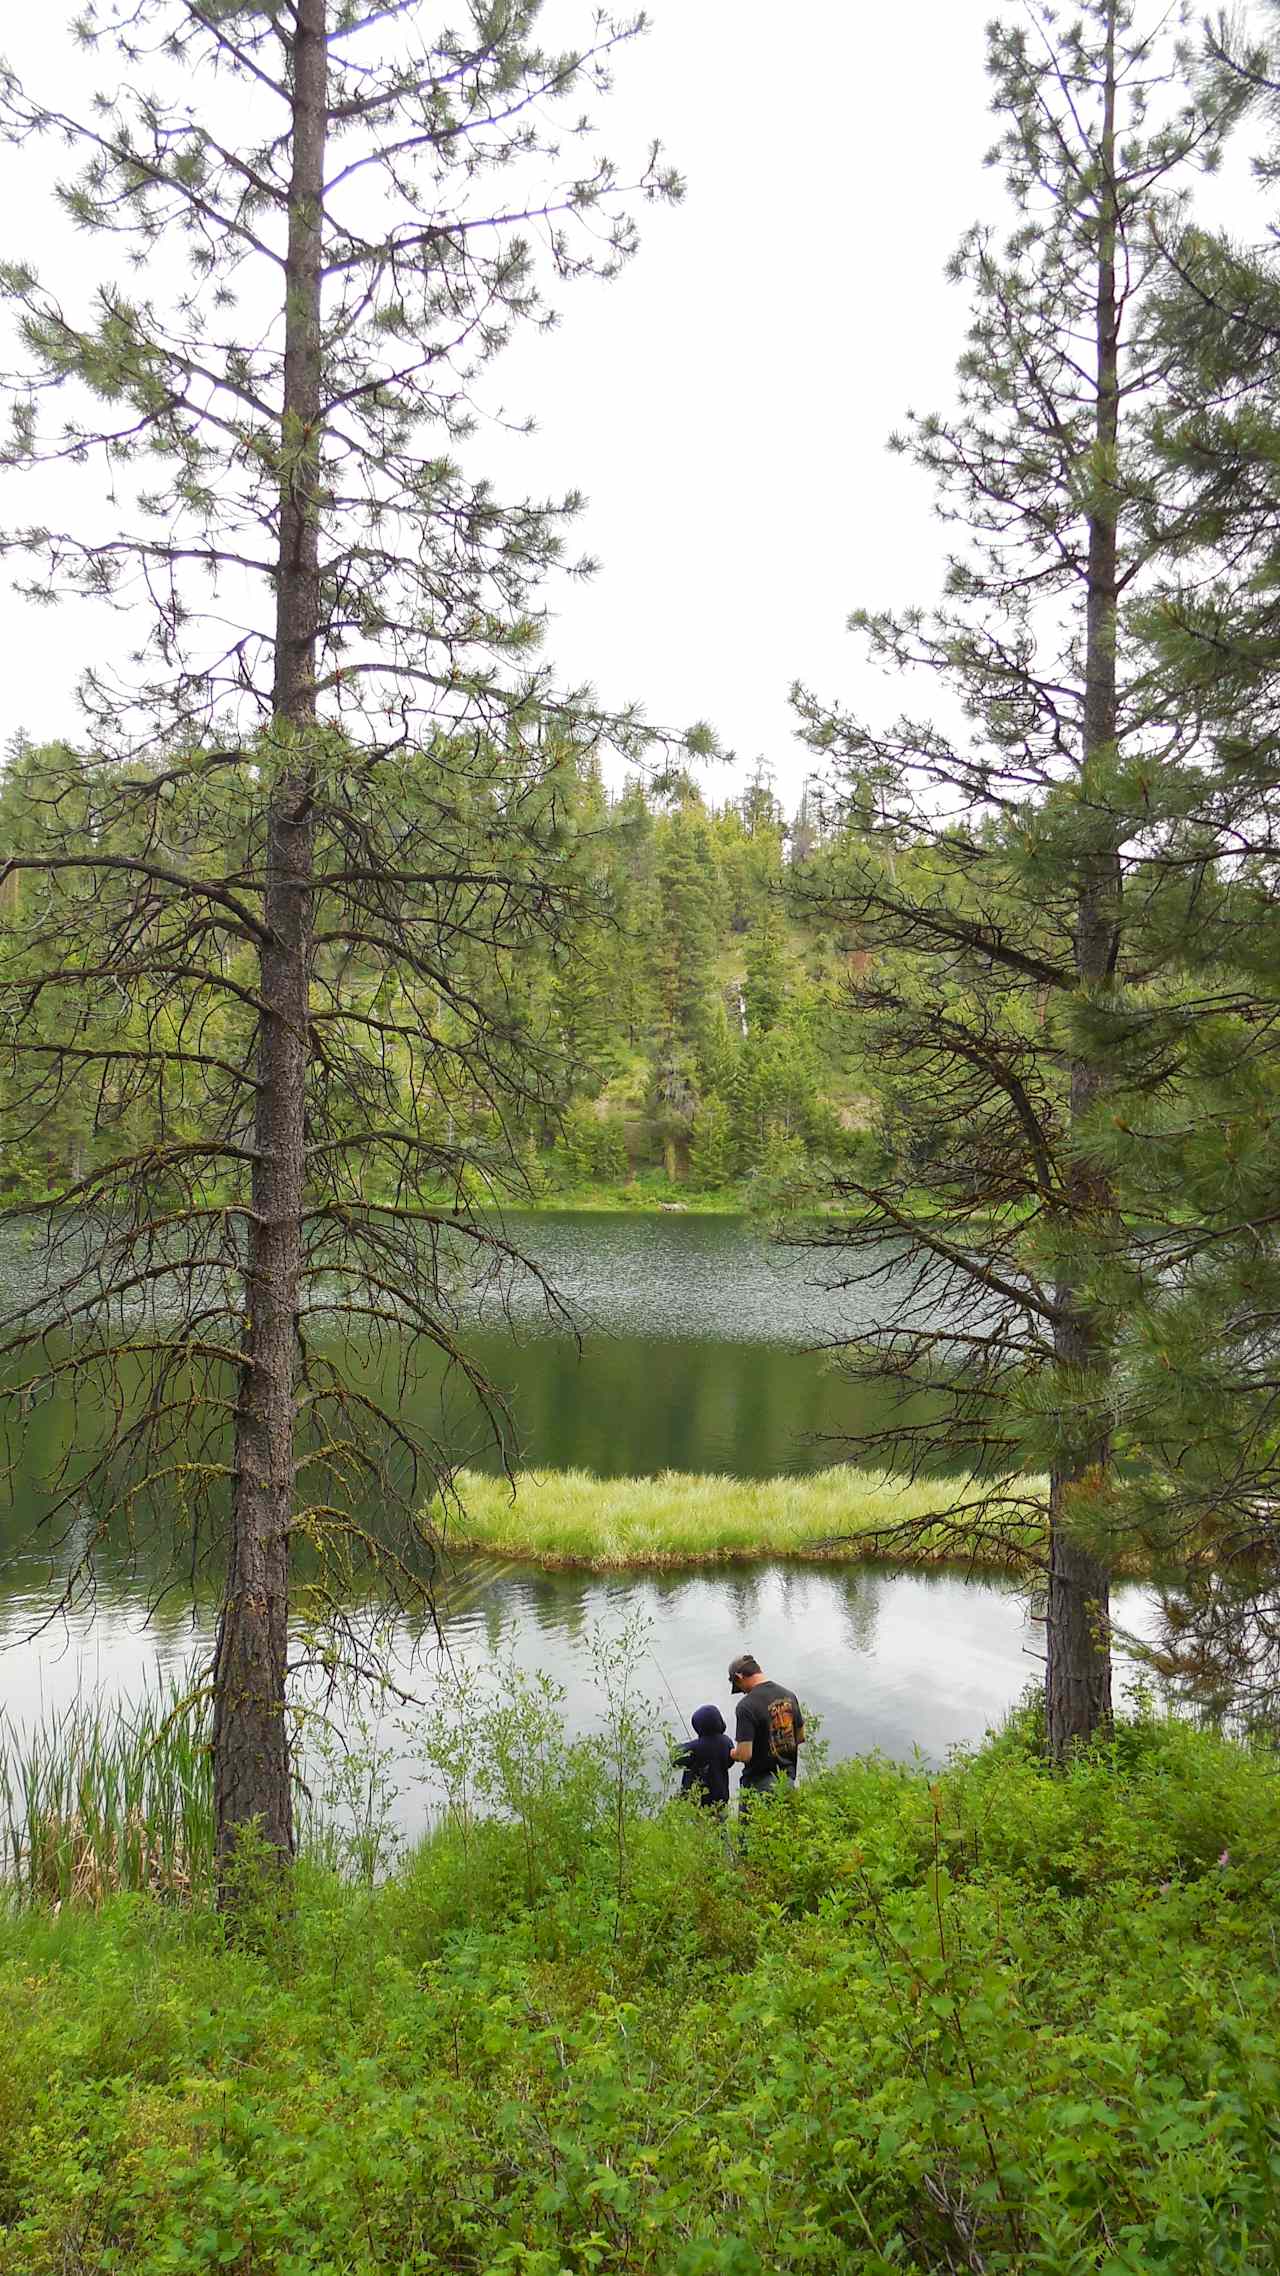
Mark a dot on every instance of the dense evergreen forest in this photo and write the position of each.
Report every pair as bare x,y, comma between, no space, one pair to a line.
683,1033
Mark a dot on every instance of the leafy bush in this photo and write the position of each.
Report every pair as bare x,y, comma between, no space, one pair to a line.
995,2018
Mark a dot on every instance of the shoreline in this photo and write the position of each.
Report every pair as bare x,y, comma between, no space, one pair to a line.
1013,1566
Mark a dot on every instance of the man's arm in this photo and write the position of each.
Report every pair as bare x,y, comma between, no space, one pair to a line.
742,1752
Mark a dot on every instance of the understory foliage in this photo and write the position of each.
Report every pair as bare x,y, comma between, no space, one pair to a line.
995,2019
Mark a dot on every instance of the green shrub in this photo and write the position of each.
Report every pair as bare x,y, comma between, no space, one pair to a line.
988,2018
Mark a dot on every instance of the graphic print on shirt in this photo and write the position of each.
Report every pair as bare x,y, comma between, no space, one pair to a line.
782,1729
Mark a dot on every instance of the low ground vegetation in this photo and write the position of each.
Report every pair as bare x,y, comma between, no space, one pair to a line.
838,1515
993,2019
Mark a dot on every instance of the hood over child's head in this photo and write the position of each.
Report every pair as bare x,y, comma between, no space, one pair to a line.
708,1722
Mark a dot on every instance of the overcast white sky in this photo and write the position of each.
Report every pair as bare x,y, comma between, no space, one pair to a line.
725,404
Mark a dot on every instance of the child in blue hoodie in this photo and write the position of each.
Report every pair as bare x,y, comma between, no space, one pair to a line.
705,1759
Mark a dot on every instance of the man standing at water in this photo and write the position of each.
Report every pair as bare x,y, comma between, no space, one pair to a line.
769,1728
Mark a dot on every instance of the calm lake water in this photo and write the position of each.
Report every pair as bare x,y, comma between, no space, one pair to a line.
692,1358
705,1347
909,1664
700,1350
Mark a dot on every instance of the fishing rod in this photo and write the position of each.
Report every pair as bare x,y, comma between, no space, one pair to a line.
666,1686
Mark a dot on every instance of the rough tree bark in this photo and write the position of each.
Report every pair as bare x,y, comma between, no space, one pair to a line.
1078,1648
251,1751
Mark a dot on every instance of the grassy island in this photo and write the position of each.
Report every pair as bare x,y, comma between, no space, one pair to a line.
997,2020
570,1518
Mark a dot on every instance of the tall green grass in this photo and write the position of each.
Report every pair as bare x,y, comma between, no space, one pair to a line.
569,1517
96,1799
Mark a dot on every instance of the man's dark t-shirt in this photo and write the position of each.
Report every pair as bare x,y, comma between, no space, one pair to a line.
705,1764
769,1716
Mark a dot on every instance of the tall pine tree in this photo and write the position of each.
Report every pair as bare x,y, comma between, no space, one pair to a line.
988,846
1197,1156
334,771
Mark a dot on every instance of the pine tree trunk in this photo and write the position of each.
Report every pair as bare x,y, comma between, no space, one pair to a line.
250,1737
1078,1670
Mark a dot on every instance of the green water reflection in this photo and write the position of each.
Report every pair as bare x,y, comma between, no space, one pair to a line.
633,1406
690,1357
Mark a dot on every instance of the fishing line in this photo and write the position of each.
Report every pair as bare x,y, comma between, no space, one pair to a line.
667,1688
